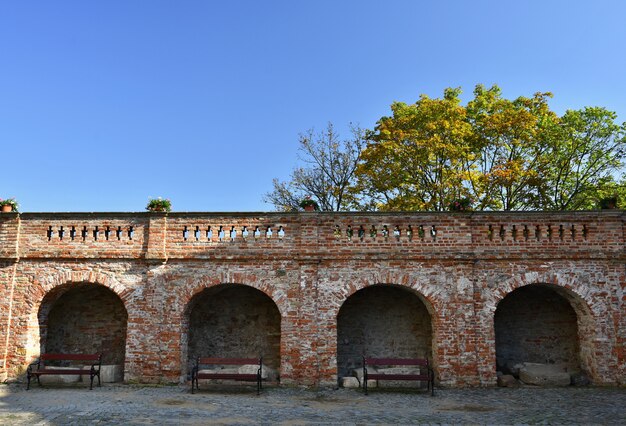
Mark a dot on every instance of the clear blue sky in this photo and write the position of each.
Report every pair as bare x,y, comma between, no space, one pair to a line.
103,104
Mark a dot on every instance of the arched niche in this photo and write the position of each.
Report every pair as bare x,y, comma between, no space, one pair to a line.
382,320
232,321
538,323
84,318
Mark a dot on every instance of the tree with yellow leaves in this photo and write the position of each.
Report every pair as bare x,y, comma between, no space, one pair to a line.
415,160
490,154
502,154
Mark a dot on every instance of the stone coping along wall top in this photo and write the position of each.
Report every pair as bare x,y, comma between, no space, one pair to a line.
163,236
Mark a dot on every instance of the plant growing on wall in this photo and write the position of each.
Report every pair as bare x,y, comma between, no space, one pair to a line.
308,203
608,202
461,205
8,204
159,205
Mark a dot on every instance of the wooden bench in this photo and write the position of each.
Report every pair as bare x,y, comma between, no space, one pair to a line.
215,374
427,376
39,368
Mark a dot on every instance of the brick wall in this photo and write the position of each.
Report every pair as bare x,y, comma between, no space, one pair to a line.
457,269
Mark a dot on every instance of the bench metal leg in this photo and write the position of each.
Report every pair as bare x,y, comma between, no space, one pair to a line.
194,383
94,373
29,378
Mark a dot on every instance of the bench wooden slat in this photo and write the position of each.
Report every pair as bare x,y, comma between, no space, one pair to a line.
216,374
228,376
53,371
427,376
396,361
69,357
421,377
228,361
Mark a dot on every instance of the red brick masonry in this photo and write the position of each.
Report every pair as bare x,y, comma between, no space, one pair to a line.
461,265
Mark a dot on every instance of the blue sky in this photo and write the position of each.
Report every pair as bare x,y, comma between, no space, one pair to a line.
103,104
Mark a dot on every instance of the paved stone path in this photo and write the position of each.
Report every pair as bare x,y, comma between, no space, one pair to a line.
174,405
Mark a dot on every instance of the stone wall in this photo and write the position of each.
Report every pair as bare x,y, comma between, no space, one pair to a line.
458,266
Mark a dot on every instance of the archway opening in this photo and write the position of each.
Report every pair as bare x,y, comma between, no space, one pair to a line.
85,318
234,321
385,321
537,324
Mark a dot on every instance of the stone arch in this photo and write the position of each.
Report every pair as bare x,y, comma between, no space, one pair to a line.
574,289
561,328
49,282
381,321
427,292
83,317
249,280
48,287
231,320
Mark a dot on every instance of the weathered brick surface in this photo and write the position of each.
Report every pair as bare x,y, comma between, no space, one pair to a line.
536,324
84,319
455,270
380,320
233,322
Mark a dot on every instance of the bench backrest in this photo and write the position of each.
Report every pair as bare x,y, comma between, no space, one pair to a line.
70,357
395,361
229,361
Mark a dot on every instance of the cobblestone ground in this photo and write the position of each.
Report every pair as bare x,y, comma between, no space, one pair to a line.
142,405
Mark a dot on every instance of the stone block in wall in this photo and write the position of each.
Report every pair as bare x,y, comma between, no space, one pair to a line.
513,367
59,378
400,383
358,373
111,373
108,374
544,374
267,373
372,384
350,382
507,381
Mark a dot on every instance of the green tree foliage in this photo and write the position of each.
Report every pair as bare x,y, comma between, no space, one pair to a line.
585,149
415,159
492,153
507,138
504,154
327,174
